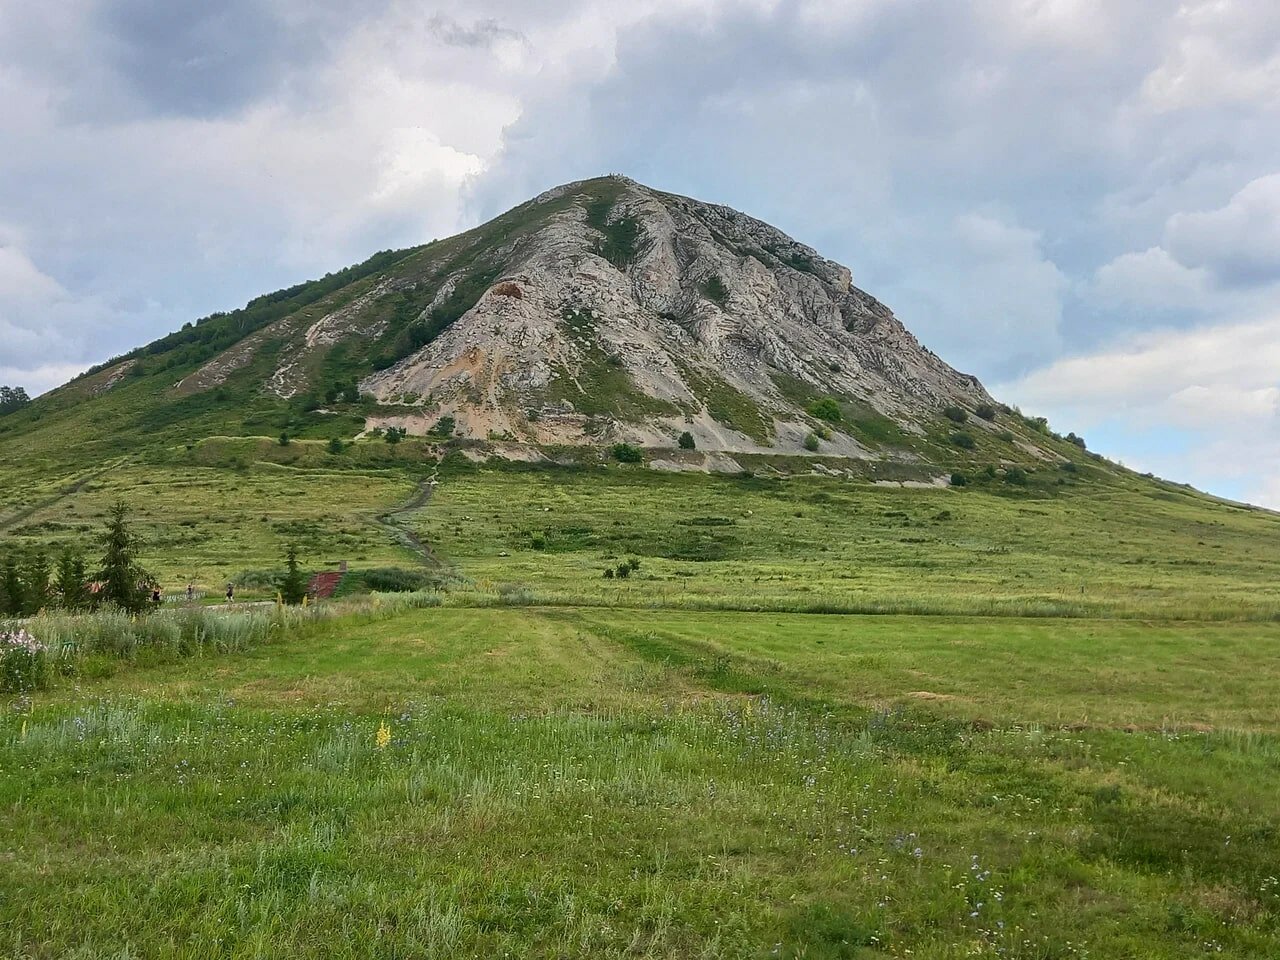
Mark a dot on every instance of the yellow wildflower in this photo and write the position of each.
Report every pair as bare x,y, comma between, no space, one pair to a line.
383,736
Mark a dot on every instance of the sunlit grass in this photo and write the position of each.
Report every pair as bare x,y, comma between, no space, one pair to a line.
585,784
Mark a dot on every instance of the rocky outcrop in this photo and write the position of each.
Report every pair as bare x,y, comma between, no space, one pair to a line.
706,299
604,310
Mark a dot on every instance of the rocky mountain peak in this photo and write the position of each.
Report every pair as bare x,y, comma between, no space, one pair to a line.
600,311
613,310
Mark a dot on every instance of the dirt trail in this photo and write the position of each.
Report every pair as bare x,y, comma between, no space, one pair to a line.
8,523
405,535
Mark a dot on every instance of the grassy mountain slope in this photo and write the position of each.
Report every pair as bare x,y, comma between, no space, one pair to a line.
599,311
1058,736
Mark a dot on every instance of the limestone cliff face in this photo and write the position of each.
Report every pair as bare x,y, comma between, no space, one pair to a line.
697,310
604,310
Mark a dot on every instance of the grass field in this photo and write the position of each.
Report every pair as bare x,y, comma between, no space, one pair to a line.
822,544
1060,738
577,782
1119,546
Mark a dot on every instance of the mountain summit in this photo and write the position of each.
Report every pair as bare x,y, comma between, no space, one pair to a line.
600,312
607,309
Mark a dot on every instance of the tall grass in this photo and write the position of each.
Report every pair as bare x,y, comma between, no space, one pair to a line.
1119,606
70,639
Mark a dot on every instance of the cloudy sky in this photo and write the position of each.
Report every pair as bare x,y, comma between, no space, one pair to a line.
1077,200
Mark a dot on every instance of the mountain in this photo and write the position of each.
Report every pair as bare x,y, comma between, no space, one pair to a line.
601,311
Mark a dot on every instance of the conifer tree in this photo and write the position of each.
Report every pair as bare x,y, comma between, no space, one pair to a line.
123,579
293,586
11,593
35,592
69,584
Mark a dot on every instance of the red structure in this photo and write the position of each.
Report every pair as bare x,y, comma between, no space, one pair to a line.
323,585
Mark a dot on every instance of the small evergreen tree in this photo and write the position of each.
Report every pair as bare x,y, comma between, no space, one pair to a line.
35,593
284,440
123,579
10,589
69,585
686,441
335,445
293,586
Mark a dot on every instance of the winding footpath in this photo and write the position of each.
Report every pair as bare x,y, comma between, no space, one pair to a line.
405,534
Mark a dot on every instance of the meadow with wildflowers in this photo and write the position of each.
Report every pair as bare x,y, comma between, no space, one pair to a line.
24,662
561,782
1058,736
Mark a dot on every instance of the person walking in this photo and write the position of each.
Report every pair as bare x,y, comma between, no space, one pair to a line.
231,593
191,592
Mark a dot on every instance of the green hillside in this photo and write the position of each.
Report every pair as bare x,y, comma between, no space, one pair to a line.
991,697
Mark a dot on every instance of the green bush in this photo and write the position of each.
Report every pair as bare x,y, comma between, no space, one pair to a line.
445,426
811,442
715,290
626,453
959,480
621,240
963,440
394,435
1078,441
986,411
686,441
955,414
825,408
1015,475
335,445
284,440
394,580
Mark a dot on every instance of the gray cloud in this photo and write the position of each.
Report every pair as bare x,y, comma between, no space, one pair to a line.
1239,242
1020,181
479,33
199,59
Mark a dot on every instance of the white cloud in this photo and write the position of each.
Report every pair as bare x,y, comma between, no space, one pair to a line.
42,377
1239,242
991,299
1224,52
21,281
1151,279
1216,388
